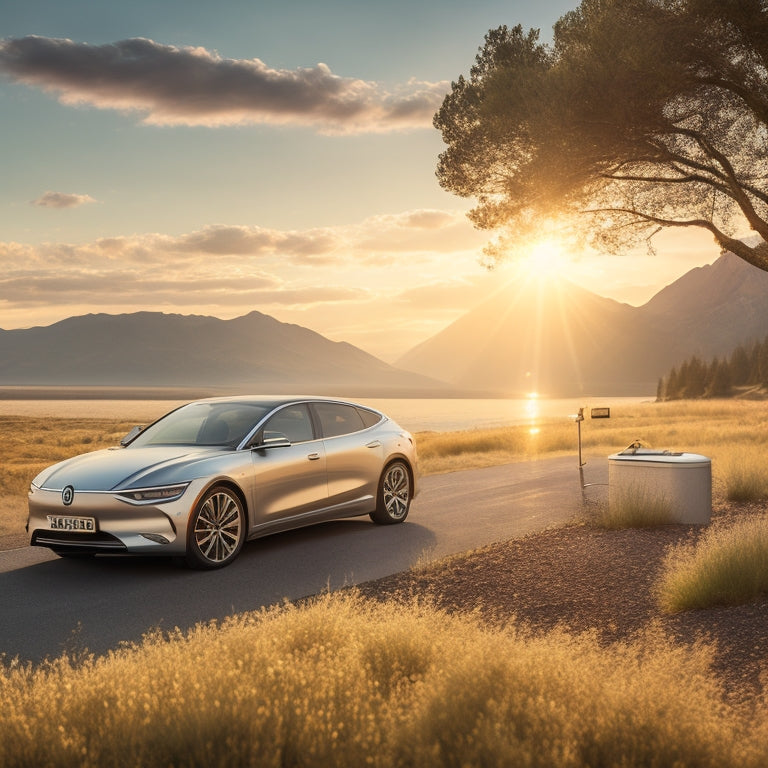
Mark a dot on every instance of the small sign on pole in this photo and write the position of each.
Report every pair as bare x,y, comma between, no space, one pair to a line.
600,413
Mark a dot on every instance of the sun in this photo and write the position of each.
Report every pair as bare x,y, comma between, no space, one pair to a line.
545,258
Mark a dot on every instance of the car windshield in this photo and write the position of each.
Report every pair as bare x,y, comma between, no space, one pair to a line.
224,424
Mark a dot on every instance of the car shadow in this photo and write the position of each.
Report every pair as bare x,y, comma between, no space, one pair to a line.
99,603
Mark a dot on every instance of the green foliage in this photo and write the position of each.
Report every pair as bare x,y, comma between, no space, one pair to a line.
642,114
729,566
344,682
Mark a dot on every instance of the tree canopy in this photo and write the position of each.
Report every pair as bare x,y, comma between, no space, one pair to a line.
640,115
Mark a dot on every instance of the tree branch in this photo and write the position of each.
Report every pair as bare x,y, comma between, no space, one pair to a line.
738,194
756,256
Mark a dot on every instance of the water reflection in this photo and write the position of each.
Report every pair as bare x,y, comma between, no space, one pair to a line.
532,411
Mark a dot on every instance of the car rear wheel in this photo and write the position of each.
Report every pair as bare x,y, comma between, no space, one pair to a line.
216,529
394,496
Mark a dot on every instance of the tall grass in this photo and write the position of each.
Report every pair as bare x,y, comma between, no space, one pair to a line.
728,566
746,477
634,507
342,682
29,445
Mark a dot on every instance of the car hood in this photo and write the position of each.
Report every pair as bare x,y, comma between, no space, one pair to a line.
119,468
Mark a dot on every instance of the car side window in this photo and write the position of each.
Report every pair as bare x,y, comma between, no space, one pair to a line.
294,422
338,419
370,418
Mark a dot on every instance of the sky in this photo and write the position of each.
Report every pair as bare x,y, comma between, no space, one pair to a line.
218,158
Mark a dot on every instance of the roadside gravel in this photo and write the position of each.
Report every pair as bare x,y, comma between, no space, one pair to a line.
587,579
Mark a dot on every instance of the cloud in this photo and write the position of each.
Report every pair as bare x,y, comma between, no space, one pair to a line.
62,200
373,241
310,246
192,86
126,288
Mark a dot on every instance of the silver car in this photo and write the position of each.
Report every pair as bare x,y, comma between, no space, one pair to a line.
208,476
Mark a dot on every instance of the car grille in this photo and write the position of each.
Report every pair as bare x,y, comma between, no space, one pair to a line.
73,541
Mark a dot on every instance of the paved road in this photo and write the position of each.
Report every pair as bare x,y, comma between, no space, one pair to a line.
49,605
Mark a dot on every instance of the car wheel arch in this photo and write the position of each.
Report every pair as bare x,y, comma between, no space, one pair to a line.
404,460
228,483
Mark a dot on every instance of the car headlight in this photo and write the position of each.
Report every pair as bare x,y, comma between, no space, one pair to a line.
158,494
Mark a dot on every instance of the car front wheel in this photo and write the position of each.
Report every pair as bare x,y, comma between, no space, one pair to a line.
394,496
216,530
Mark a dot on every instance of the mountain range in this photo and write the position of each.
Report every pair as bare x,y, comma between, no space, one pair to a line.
558,339
545,335
153,349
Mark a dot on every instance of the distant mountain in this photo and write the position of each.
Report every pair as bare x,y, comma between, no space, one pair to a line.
254,352
715,308
555,338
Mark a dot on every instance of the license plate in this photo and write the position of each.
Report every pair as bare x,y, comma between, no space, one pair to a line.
61,523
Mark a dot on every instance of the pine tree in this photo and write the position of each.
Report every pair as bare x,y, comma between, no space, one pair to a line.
740,367
719,380
672,389
762,364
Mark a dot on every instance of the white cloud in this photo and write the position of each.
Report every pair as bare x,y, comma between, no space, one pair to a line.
62,200
382,281
192,86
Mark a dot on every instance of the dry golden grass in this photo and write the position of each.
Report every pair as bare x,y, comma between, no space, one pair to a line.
714,428
345,682
728,566
29,445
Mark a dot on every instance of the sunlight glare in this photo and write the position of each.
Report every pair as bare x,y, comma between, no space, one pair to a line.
532,411
545,258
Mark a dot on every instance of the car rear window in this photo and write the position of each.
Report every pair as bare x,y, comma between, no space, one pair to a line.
370,418
339,419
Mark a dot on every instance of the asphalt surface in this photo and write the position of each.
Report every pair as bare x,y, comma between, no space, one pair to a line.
50,605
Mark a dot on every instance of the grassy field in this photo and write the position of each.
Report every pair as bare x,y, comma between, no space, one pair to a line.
340,681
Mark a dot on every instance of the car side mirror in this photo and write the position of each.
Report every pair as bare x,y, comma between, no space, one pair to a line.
273,440
135,431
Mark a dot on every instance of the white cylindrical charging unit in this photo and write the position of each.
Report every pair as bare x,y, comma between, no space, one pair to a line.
681,481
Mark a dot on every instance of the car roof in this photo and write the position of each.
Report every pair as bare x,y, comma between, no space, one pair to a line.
272,401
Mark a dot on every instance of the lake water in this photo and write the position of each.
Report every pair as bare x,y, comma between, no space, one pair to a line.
416,415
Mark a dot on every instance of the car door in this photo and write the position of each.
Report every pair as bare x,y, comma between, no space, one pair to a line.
353,454
289,479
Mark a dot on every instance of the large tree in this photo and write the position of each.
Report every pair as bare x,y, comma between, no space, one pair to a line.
641,115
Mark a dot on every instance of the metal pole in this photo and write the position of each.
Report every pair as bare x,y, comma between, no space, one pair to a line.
579,419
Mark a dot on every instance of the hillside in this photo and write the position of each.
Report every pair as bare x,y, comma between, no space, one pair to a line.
546,336
156,349
550,336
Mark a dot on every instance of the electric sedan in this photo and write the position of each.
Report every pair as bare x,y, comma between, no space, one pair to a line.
206,477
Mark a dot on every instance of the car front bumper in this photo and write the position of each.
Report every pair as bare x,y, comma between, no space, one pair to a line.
158,528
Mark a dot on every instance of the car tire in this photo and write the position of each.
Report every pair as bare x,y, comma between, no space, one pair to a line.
216,531
393,499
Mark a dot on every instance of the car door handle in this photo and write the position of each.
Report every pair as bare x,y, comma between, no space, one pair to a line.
313,456
374,444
